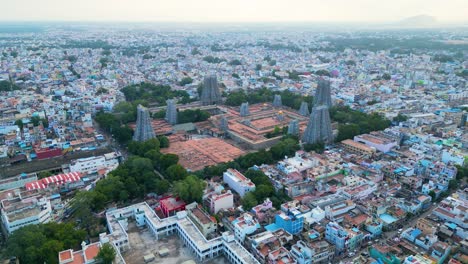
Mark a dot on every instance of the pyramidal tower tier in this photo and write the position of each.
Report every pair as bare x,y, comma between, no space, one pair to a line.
304,110
223,124
171,112
293,127
277,102
244,109
323,93
143,131
210,93
319,126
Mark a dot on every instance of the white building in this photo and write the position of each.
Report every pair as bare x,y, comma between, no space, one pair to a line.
17,182
334,210
454,156
380,143
22,209
238,182
180,224
245,225
95,163
221,201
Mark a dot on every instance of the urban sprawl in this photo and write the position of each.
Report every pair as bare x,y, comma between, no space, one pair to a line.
137,145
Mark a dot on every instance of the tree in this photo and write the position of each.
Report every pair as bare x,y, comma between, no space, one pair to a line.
400,118
6,86
258,67
162,186
19,123
41,243
249,201
44,174
163,142
167,160
257,177
235,75
453,184
235,62
386,76
347,132
185,80
176,172
81,205
190,189
317,147
106,254
103,62
236,98
433,195
263,191
190,115
122,134
35,120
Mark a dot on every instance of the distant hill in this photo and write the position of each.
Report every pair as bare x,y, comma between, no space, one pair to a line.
418,21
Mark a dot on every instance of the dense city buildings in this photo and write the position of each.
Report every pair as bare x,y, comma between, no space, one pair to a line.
234,146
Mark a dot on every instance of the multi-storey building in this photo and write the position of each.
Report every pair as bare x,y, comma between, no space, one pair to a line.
220,201
205,223
17,182
95,163
180,224
25,208
245,225
238,182
338,236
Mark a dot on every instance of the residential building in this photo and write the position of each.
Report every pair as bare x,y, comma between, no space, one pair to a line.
238,182
244,225
17,182
338,236
220,201
205,223
25,208
95,163
87,254
376,141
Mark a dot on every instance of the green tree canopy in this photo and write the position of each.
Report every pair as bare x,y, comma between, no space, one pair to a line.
41,243
106,254
190,189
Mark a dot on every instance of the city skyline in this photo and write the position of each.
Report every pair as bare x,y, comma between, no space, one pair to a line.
242,11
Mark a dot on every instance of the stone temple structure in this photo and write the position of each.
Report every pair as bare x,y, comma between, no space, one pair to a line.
210,93
319,126
304,110
293,127
277,101
143,131
323,94
223,124
171,112
244,109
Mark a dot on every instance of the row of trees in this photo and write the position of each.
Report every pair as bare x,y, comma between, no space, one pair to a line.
110,123
153,93
35,120
41,243
263,95
353,122
186,116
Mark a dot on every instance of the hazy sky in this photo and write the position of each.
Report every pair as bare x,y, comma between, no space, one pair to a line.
232,10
